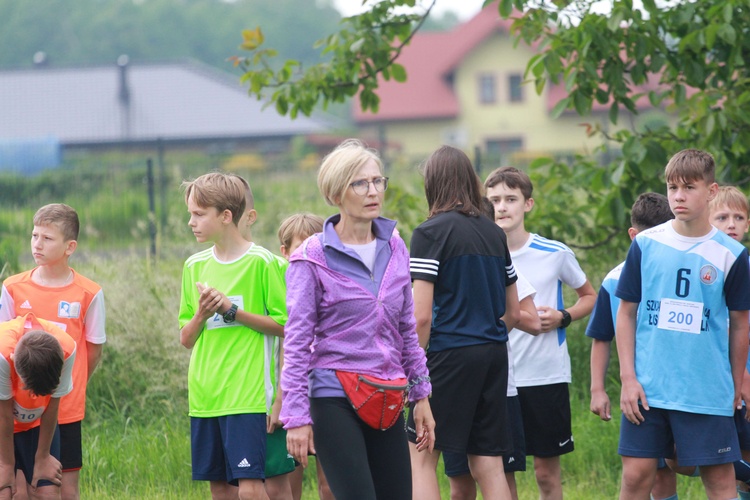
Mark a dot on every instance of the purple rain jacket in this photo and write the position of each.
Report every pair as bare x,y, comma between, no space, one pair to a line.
336,323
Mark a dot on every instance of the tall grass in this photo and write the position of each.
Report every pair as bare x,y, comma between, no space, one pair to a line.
137,436
136,433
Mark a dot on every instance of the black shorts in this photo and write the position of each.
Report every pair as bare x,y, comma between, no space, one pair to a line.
546,420
469,386
515,461
71,453
25,445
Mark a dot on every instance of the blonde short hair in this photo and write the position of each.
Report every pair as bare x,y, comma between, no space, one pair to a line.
220,191
299,226
731,197
249,200
340,166
62,216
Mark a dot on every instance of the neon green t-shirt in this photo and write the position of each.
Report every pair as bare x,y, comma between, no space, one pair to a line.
233,369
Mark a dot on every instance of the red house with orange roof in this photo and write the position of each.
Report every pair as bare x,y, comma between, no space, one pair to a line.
465,88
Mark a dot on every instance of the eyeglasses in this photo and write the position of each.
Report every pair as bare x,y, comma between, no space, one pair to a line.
361,187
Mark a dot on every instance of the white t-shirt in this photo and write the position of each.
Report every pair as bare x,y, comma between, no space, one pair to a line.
524,289
366,252
547,264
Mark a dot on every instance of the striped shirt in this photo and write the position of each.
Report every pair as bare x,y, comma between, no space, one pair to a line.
468,260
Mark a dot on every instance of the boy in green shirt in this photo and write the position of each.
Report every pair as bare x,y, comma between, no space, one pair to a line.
232,304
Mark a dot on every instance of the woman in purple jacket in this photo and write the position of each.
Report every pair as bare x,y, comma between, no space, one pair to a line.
350,309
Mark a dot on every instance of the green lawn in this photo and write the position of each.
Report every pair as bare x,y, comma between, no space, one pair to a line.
137,437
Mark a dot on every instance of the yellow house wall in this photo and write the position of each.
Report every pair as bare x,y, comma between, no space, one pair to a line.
416,138
528,120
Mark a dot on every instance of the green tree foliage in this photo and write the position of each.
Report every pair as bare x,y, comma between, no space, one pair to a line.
98,31
367,45
690,56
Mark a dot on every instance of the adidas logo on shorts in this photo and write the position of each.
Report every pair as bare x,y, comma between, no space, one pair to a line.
244,463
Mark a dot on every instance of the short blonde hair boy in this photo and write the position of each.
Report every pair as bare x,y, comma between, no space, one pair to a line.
299,226
62,216
218,190
340,166
731,197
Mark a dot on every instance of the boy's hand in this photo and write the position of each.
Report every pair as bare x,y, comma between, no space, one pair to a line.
738,402
272,420
600,405
48,468
550,318
209,302
7,481
745,393
632,392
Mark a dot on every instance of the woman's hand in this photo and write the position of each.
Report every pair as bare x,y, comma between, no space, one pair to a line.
424,424
299,443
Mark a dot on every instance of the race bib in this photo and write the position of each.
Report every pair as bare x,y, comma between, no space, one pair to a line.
680,316
26,415
217,320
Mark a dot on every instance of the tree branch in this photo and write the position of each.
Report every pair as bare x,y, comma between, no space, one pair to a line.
613,233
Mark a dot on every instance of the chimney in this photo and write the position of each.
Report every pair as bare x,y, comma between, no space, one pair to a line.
40,59
123,96
122,64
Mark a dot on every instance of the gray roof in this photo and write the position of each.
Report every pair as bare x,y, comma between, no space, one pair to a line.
173,102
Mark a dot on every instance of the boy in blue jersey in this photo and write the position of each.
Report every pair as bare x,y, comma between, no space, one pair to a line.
729,213
681,373
649,210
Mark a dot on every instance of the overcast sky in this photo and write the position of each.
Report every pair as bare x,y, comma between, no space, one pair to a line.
464,8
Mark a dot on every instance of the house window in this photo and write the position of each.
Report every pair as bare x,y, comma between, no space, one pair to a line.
514,88
487,89
499,150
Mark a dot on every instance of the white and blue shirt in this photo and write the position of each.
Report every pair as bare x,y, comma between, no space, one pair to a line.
685,288
547,264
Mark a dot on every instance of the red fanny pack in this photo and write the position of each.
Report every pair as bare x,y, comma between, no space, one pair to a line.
377,402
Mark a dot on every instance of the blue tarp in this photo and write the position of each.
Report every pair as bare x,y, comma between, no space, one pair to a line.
29,156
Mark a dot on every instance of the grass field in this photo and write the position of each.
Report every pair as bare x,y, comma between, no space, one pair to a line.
136,434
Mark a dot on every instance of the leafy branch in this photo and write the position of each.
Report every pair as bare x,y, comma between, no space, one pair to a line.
366,46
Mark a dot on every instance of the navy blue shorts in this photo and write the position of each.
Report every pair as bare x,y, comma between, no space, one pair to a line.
457,464
228,448
25,444
699,439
